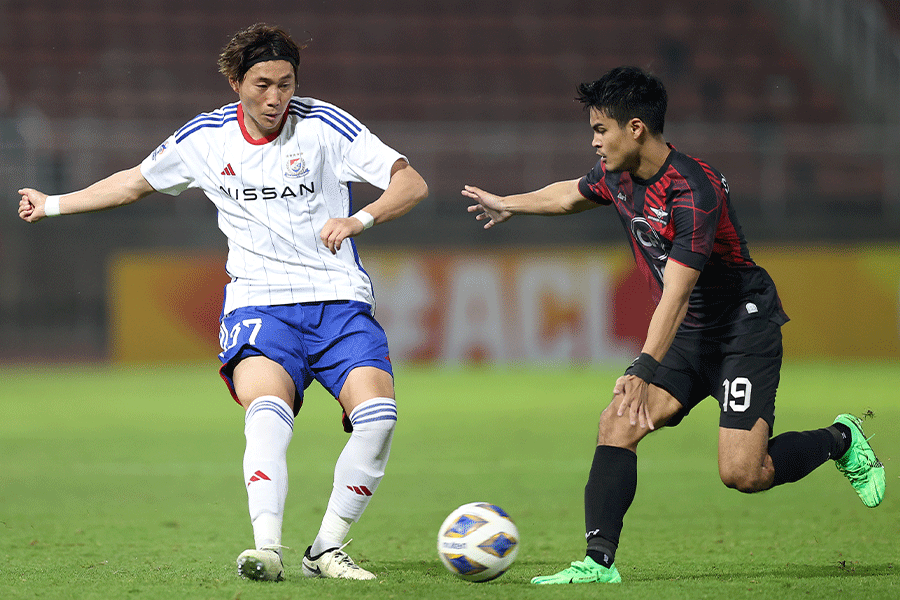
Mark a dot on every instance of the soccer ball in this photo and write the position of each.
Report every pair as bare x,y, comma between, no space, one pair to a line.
478,541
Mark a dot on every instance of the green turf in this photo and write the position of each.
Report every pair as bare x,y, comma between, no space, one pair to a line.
126,483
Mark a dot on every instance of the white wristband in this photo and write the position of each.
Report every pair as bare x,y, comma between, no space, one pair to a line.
365,218
51,206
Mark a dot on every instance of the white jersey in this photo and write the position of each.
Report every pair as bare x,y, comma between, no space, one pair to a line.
275,195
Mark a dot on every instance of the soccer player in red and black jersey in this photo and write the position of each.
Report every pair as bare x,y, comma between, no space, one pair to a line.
715,331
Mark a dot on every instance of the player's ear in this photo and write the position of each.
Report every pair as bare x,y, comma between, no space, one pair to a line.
235,85
636,128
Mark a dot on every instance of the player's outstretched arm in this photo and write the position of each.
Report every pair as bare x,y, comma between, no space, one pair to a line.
118,189
489,206
560,198
405,190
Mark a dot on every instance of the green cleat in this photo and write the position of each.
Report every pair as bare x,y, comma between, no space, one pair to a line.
586,571
860,465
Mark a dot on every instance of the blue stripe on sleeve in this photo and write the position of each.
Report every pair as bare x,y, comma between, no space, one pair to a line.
214,119
338,120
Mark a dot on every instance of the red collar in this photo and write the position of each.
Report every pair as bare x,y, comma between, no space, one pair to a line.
250,139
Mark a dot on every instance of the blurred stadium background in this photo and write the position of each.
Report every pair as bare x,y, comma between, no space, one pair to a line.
796,101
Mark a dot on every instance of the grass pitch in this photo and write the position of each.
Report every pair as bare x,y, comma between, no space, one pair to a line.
126,483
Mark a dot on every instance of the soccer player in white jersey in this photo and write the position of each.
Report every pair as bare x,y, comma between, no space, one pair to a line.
299,306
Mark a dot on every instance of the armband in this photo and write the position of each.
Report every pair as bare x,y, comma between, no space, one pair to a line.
365,218
643,367
51,206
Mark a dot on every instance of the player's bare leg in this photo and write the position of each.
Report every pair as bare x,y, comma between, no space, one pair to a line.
751,462
744,461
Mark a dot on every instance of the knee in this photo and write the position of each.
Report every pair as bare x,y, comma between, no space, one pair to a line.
606,426
744,480
613,430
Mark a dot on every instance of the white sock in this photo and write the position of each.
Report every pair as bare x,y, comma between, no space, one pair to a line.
358,471
268,427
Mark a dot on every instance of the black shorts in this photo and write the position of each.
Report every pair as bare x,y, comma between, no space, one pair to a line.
741,372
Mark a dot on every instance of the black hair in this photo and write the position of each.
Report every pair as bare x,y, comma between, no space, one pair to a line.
255,44
627,93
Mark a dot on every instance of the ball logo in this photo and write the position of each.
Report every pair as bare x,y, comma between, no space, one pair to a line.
454,545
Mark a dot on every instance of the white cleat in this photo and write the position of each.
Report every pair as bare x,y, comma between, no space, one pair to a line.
334,564
263,564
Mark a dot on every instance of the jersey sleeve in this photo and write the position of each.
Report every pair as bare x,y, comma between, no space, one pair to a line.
166,171
368,159
593,185
695,214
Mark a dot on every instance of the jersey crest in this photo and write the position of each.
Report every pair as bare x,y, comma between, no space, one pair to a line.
295,166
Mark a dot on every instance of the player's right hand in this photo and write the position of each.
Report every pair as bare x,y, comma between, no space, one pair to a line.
633,394
337,230
490,206
31,205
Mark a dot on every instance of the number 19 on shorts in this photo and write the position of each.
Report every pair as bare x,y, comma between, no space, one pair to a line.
737,395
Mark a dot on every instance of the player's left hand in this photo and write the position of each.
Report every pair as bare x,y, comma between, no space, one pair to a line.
31,205
336,231
633,393
490,207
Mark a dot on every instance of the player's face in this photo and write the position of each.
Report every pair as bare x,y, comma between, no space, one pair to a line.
265,95
616,145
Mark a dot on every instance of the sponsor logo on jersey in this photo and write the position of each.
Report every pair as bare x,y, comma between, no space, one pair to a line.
655,247
649,238
268,193
295,166
162,148
660,215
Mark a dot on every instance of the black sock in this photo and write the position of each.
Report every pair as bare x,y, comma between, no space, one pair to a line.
609,492
842,439
796,454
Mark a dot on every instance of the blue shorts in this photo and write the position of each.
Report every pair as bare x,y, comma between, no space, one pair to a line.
320,341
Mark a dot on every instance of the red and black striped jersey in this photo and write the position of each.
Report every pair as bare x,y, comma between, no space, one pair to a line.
684,213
